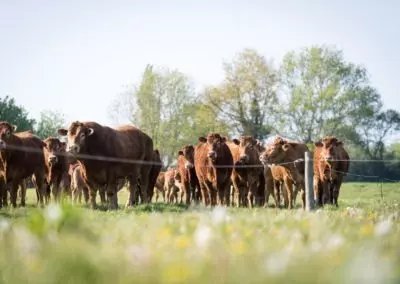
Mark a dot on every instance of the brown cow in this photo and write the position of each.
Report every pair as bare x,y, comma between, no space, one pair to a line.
21,156
107,154
160,186
213,163
249,155
78,185
189,182
291,156
171,186
154,172
56,167
331,164
238,184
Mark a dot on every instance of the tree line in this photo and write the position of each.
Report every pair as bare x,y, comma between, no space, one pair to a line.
312,92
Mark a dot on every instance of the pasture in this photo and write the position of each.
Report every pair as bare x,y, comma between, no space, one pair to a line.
157,243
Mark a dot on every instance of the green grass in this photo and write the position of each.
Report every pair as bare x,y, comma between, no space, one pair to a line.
355,243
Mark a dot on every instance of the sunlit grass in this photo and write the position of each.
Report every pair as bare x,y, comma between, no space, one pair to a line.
358,242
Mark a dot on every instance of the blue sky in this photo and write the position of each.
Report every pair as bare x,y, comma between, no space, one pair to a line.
76,56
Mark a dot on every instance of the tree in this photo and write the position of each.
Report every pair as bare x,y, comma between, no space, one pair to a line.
49,122
247,97
323,93
156,106
15,114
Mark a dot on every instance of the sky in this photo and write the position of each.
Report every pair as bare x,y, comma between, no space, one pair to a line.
76,56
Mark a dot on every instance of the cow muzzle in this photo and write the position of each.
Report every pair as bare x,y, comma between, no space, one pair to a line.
263,159
3,145
212,154
188,165
52,160
244,159
73,149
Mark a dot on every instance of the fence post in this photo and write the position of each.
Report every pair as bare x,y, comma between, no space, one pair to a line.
309,180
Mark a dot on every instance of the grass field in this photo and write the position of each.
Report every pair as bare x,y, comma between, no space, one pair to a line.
357,243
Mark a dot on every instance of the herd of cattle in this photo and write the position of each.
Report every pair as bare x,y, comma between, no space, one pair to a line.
242,172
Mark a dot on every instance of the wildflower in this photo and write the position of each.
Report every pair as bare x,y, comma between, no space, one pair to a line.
138,255
335,241
53,212
218,215
4,225
277,263
202,236
383,228
182,242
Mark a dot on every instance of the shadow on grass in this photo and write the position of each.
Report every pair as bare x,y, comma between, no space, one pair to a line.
158,207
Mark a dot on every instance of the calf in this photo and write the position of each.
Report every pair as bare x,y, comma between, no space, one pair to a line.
78,185
291,157
213,163
56,167
249,156
21,156
185,168
331,164
159,186
107,154
171,187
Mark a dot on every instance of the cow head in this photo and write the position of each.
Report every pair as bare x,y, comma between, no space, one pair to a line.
52,149
276,152
328,146
177,176
247,148
187,152
214,142
77,135
6,131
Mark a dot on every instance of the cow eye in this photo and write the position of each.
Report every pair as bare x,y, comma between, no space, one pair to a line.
8,132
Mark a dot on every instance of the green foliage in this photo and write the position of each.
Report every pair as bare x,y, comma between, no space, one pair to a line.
14,114
246,99
49,122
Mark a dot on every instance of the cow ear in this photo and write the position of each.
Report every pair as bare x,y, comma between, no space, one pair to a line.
90,131
44,144
14,128
236,141
202,139
62,132
339,143
318,144
286,147
180,153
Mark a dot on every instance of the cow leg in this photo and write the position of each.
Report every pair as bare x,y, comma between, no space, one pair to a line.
336,190
326,192
144,182
102,193
204,193
23,194
236,190
251,192
318,191
3,196
289,190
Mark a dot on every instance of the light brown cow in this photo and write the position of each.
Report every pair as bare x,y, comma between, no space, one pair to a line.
213,163
249,156
331,164
57,166
171,187
78,186
21,156
185,168
107,154
290,155
159,186
239,185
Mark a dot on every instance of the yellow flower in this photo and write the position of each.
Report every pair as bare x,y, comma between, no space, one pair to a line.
176,273
239,247
165,233
367,229
182,242
229,229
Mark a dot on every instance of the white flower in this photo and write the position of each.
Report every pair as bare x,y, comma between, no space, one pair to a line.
4,225
53,212
202,236
335,241
218,215
277,263
316,246
138,255
383,228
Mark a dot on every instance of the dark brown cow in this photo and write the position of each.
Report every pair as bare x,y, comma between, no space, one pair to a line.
21,156
189,182
78,185
213,163
56,167
239,185
249,156
331,164
154,172
107,154
291,157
